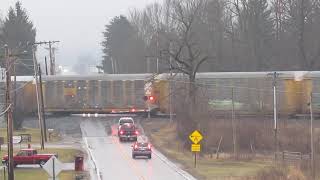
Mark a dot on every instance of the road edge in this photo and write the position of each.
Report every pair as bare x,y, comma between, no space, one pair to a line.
92,159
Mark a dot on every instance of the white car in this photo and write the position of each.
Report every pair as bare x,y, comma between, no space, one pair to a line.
125,120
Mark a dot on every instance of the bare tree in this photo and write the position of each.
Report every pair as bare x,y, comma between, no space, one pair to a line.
301,24
184,50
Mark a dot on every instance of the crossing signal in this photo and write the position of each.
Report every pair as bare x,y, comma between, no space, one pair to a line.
150,98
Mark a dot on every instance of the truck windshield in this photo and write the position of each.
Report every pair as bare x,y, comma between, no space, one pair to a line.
22,153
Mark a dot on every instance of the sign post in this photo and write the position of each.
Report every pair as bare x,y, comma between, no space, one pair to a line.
53,167
195,137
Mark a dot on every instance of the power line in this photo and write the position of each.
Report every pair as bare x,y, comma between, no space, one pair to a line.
51,54
6,110
11,91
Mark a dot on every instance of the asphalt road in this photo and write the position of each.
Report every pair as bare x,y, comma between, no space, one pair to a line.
113,159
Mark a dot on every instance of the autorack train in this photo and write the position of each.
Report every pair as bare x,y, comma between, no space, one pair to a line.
120,93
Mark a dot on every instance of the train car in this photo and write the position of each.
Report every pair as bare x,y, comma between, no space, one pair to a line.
24,89
252,91
115,93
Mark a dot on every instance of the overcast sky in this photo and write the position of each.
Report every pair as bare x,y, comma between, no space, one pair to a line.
78,24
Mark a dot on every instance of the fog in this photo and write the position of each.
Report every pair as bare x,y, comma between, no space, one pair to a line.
77,24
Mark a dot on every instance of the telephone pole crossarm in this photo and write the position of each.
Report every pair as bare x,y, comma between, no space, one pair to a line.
51,58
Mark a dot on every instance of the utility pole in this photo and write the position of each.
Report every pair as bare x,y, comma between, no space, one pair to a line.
275,117
157,50
15,87
37,95
170,86
148,65
311,139
51,54
42,106
52,60
46,64
9,116
234,135
112,65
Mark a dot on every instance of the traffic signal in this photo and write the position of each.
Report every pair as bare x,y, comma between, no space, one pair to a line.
148,98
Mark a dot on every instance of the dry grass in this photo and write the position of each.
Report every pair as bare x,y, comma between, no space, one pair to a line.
163,136
33,174
257,135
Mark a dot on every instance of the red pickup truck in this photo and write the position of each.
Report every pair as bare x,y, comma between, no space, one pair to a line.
28,156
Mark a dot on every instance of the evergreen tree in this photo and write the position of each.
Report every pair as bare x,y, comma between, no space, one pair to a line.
17,32
123,46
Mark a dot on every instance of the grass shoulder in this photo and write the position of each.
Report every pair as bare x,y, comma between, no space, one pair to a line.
35,134
32,174
163,137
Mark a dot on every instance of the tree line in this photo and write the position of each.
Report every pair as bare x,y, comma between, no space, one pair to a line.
215,35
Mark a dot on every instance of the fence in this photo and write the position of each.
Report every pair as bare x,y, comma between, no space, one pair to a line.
293,158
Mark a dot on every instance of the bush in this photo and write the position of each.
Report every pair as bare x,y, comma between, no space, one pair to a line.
274,173
277,173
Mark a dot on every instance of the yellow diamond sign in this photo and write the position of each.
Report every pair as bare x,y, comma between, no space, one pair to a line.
196,137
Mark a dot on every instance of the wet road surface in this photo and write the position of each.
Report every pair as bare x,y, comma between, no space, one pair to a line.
113,158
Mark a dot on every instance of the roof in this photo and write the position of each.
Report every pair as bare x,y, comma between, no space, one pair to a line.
201,75
19,79
248,75
126,118
102,77
143,139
